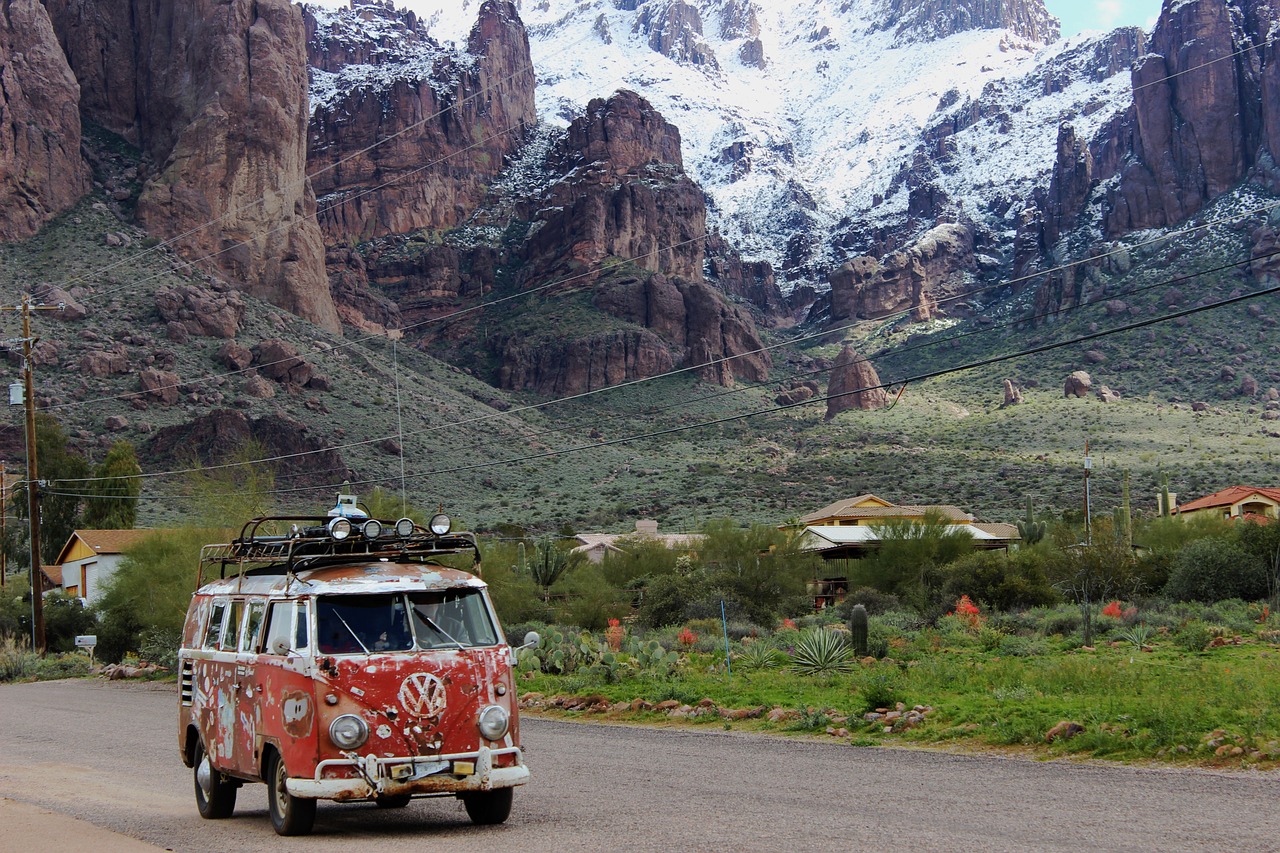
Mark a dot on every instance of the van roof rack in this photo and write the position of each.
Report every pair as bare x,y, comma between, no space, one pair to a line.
287,544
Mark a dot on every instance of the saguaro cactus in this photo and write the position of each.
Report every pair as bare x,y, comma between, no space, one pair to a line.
1029,529
858,629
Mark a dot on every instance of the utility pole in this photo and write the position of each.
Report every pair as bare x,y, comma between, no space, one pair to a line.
33,481
4,539
1088,507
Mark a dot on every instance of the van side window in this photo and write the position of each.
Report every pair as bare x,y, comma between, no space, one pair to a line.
280,626
214,629
303,638
252,622
231,635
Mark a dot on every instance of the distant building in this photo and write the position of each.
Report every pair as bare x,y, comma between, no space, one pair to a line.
1234,503
848,528
90,558
597,545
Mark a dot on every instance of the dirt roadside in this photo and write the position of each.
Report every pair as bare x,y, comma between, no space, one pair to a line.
33,829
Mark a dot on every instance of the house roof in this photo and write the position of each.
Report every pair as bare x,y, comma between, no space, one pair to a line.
646,530
871,506
859,534
1228,497
104,541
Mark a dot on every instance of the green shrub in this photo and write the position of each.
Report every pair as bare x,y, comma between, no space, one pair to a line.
759,655
1213,569
17,661
1000,581
1193,636
875,601
664,600
69,665
880,689
1020,647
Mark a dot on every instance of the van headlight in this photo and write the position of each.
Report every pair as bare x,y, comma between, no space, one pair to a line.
348,731
493,722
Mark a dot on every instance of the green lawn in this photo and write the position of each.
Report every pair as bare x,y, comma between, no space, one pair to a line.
1219,707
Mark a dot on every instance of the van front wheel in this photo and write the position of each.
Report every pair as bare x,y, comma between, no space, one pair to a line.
290,815
488,807
215,794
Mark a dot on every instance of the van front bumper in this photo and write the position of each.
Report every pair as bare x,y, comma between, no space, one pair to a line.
370,777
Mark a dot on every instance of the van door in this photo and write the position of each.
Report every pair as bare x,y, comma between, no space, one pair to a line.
216,683
246,737
288,700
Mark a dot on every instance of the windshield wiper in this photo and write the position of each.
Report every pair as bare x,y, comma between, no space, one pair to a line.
352,630
442,631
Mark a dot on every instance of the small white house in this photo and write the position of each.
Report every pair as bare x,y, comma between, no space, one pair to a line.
90,557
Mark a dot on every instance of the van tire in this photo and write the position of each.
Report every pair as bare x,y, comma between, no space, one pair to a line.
290,815
216,798
488,808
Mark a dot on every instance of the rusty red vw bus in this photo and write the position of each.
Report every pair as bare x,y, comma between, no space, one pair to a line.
340,658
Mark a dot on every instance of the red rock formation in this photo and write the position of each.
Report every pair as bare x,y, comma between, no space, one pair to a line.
626,205
1206,111
217,436
41,170
854,384
215,92
573,366
442,134
625,196
915,279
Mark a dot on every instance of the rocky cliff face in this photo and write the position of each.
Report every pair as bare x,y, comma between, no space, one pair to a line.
675,31
913,280
624,195
626,219
443,121
215,92
930,20
41,170
1206,98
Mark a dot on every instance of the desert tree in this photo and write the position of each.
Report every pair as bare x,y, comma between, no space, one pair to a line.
113,493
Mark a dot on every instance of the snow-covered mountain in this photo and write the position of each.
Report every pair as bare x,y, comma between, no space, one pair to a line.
822,130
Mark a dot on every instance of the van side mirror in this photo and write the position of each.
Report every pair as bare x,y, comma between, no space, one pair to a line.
531,639
280,646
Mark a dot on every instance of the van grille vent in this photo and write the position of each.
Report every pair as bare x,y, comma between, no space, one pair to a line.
187,683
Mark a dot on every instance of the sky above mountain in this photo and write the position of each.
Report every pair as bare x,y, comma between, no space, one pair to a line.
1076,15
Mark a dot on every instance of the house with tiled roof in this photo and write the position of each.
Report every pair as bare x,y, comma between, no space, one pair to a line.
1234,502
596,545
850,529
90,557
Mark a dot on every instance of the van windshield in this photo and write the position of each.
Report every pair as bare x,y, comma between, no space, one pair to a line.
395,622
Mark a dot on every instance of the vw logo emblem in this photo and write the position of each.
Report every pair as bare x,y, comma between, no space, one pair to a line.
423,695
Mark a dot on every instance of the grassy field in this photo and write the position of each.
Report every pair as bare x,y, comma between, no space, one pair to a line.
1217,707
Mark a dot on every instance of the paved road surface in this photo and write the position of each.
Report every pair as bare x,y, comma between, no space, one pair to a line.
105,753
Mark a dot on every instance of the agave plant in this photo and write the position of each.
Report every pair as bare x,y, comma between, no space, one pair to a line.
759,656
820,651
1138,635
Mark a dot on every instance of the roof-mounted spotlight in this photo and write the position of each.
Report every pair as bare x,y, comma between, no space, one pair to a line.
340,528
371,529
405,527
440,524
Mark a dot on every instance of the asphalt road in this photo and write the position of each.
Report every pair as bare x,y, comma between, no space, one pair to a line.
105,753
